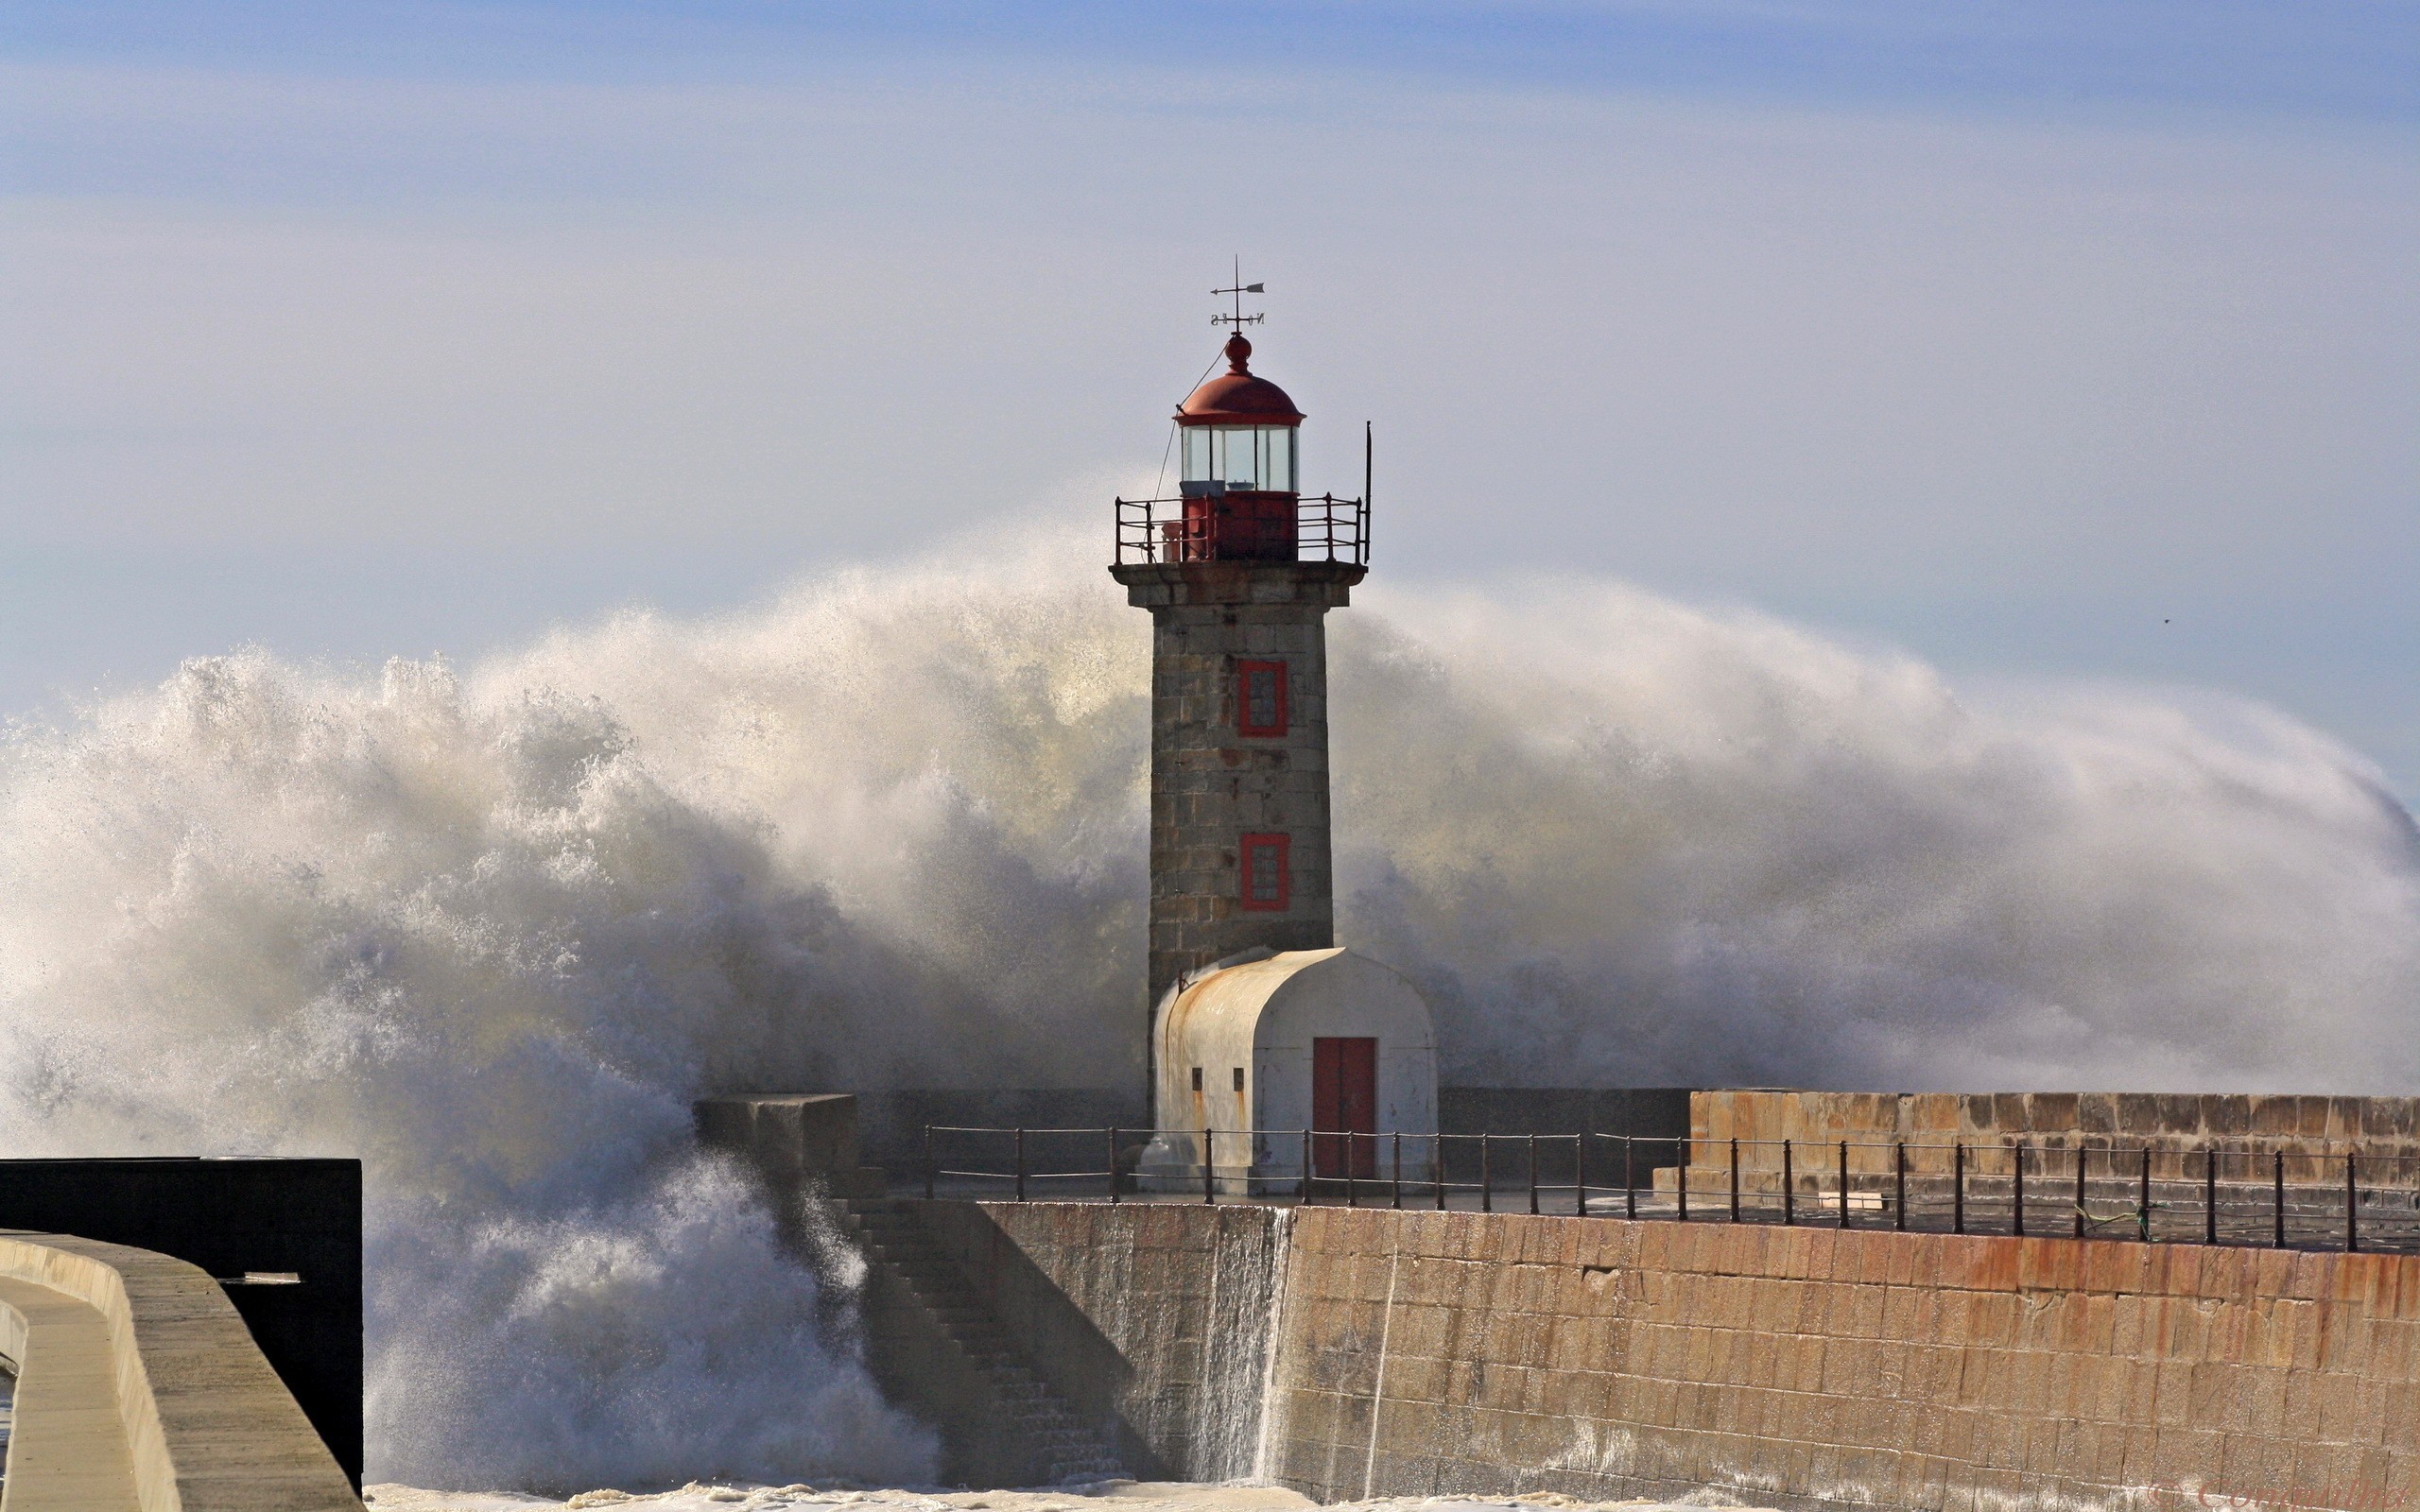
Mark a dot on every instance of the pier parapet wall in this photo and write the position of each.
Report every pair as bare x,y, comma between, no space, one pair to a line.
2312,1133
1417,1353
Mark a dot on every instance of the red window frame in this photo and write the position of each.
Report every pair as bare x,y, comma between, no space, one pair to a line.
1249,847
1244,725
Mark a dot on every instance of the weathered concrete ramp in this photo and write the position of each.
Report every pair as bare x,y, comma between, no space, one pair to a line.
1415,1353
139,1389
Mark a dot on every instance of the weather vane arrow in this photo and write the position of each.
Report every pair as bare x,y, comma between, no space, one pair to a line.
1239,288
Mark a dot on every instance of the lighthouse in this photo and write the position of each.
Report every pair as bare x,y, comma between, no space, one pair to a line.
1258,1023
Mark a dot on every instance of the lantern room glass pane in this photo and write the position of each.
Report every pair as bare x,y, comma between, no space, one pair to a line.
1278,472
1241,456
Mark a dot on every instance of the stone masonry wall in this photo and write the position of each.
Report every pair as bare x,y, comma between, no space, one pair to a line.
2312,1131
1417,1353
1470,1353
1211,784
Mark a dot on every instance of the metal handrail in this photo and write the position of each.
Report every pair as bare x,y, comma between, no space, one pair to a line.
1326,529
2008,1186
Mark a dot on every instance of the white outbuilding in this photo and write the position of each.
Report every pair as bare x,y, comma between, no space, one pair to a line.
1266,1048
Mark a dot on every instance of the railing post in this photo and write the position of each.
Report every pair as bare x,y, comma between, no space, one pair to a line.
2278,1198
1899,1184
2016,1198
1789,1187
1398,1154
1437,1167
1533,1174
1581,1143
1486,1175
1303,1194
2352,1205
1113,1183
929,1163
1351,1169
1209,1165
1630,1181
1735,1181
2210,1194
1957,1188
1844,1183
1020,1159
1687,1149
2081,1153
2143,1199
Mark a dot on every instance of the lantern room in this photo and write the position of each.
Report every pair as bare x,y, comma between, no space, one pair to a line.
1239,430
1239,467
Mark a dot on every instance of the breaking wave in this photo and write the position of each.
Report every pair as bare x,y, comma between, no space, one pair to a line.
491,928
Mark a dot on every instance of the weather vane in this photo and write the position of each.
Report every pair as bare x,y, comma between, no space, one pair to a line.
1239,320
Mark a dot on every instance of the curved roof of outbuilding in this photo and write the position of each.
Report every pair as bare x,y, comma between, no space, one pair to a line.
1247,988
1236,397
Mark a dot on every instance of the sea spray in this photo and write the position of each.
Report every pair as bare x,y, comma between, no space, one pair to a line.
492,931
1622,841
1239,1343
480,944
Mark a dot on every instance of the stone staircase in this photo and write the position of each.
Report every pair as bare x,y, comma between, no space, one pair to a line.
943,1346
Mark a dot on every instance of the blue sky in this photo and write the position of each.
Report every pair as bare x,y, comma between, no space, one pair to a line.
2046,342
2354,62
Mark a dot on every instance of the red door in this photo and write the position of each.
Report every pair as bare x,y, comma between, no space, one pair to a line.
1344,1102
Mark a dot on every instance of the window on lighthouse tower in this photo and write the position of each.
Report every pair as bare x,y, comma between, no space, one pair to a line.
1268,883
1260,699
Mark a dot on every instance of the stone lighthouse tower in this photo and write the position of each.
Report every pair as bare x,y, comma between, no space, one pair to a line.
1238,572
1258,1023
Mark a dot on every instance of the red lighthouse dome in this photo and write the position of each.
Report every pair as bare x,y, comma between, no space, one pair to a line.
1236,397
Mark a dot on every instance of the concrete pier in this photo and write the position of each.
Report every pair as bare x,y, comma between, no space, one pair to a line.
139,1389
1354,1353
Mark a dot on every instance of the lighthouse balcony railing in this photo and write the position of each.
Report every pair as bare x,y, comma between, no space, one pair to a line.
1242,527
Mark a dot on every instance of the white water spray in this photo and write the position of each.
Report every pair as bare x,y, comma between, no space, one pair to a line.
492,932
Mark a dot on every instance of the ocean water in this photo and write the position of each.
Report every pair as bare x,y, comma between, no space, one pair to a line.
491,926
